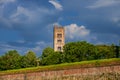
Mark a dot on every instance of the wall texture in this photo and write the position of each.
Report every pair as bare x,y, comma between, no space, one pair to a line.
96,73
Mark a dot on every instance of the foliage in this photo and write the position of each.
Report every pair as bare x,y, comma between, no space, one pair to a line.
10,60
75,65
29,60
72,52
47,51
50,57
79,51
105,52
13,60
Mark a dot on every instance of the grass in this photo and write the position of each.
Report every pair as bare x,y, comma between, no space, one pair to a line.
75,65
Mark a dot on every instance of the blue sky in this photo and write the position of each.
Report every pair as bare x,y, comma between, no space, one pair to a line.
28,24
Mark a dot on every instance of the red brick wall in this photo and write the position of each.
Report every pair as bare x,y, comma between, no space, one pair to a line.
61,73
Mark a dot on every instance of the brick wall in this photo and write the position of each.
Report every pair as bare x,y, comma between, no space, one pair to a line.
51,75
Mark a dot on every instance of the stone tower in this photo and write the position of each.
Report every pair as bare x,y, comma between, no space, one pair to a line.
59,38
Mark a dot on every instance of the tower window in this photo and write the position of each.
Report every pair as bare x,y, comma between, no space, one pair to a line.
59,35
59,48
59,41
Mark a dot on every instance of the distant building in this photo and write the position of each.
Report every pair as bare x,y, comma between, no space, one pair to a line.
59,38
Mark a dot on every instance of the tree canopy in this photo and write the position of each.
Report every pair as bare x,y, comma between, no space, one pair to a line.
72,52
13,60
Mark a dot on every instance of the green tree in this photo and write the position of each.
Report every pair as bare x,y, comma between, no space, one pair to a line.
119,49
105,51
29,60
11,60
47,51
2,63
50,57
53,58
79,51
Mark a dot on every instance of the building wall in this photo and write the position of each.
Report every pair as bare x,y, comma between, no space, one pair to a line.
93,73
59,38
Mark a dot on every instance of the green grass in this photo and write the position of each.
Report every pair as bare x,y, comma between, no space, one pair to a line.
75,65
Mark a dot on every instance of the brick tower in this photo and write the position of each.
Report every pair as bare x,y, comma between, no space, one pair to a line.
59,38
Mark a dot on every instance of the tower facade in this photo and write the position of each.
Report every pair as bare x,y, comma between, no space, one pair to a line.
59,38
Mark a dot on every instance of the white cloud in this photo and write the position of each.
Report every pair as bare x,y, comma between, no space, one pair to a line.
6,1
56,4
4,47
40,43
3,3
37,48
56,23
27,15
21,11
116,19
103,3
74,31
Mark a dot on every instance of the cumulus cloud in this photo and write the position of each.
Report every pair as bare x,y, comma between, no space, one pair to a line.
32,23
24,14
56,4
103,3
74,31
